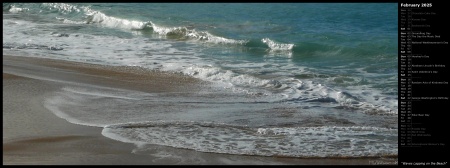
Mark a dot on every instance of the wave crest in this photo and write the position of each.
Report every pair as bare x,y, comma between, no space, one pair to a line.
14,9
185,33
112,22
274,46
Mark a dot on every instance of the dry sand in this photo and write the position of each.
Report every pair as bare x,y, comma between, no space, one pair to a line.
34,135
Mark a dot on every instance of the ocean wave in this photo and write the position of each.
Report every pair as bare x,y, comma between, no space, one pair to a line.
70,13
14,9
68,21
289,90
113,22
78,14
301,142
274,46
304,48
91,16
184,32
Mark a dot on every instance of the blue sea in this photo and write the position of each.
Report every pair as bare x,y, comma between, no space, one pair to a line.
287,79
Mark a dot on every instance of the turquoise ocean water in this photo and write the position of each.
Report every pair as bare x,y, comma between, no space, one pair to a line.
290,79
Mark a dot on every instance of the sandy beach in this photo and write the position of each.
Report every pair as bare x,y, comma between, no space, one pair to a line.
33,135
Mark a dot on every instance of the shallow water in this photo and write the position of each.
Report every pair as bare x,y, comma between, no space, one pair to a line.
296,80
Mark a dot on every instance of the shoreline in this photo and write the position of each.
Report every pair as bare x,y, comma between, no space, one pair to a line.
34,135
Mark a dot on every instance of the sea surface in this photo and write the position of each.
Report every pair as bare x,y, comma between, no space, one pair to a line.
288,79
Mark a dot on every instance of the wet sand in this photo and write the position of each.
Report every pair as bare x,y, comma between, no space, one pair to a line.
33,135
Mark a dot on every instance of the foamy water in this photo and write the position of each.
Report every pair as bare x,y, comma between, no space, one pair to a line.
279,72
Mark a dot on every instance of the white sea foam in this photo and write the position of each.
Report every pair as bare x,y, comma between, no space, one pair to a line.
62,7
113,22
14,9
281,141
193,34
291,89
68,21
275,46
